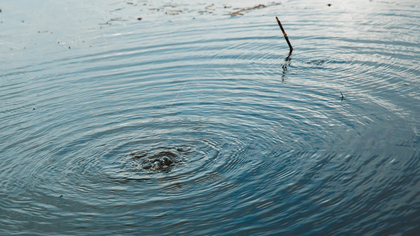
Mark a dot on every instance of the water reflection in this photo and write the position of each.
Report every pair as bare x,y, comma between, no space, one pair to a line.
287,62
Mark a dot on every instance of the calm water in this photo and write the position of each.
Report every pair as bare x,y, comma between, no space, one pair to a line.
261,143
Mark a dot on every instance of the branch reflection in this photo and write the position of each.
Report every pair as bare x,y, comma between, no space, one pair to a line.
287,62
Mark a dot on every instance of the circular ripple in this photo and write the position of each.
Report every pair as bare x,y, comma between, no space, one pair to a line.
129,161
257,139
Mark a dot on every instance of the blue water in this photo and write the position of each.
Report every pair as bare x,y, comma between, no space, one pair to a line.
262,143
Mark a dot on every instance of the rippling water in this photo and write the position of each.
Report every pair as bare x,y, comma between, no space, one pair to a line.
261,143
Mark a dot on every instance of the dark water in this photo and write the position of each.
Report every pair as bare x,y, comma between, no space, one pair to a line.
261,144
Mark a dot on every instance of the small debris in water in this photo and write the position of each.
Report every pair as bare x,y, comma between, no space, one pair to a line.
405,84
342,96
61,195
33,108
173,12
139,18
329,4
116,9
117,19
0,10
209,7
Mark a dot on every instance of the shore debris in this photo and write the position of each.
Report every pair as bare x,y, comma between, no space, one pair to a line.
236,13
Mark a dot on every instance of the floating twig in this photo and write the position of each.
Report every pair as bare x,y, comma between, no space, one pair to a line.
342,96
285,35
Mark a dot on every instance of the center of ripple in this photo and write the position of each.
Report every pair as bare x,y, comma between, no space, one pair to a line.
146,159
160,159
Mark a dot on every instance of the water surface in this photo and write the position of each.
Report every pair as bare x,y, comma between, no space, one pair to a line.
264,142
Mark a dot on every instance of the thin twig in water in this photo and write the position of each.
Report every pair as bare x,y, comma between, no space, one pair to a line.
342,96
284,34
178,94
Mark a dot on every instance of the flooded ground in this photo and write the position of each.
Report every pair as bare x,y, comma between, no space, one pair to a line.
188,117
